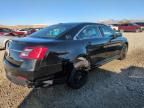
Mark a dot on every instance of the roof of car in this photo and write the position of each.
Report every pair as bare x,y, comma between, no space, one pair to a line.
84,23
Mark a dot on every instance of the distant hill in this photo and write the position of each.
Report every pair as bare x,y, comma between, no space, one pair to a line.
111,21
108,21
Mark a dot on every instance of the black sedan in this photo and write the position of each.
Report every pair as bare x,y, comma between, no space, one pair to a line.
64,52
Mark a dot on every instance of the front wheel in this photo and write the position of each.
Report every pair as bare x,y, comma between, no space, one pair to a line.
77,79
123,53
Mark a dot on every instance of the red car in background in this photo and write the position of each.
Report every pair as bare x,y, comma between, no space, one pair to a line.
20,33
129,27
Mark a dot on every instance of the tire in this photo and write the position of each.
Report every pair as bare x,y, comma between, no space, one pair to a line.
77,79
123,53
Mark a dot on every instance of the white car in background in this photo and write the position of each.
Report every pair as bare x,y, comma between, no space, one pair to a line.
4,39
114,26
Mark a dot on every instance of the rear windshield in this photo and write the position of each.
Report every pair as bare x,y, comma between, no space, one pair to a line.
53,31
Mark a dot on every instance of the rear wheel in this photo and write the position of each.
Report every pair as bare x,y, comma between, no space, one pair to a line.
77,79
123,53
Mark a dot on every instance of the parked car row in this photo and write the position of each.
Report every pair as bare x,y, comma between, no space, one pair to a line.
5,31
128,27
27,31
8,34
20,32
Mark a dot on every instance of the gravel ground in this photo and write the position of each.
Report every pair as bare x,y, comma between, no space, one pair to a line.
119,84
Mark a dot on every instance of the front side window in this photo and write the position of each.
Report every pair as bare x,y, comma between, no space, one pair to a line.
106,31
89,33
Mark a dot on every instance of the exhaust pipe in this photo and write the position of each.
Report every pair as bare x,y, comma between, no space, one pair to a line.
39,84
47,83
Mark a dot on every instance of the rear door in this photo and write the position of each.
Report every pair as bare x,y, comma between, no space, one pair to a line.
112,45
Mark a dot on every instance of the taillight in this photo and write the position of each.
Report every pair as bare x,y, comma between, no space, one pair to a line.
37,53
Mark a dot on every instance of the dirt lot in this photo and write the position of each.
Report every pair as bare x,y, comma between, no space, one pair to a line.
119,84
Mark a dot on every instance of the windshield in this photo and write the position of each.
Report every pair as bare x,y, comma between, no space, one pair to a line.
53,31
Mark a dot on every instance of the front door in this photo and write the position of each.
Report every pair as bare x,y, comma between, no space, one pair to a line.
112,45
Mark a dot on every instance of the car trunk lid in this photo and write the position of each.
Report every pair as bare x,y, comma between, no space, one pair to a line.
15,47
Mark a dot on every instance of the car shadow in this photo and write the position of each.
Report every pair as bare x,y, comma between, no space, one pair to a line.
104,89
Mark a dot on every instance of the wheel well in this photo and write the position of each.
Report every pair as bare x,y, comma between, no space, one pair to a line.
83,55
69,65
5,43
82,62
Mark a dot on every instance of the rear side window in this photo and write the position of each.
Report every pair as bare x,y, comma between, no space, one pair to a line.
53,31
89,32
106,31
